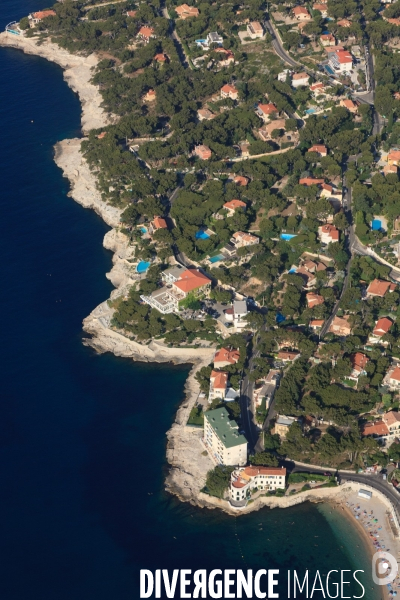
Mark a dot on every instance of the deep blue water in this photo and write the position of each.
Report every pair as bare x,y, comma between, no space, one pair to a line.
82,437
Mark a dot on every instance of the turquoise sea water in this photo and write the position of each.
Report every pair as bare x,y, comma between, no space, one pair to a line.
82,437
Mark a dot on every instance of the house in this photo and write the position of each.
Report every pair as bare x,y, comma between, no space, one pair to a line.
330,191
266,111
241,239
299,79
350,105
202,152
204,114
36,17
344,23
161,58
240,313
180,283
286,356
146,34
234,205
327,39
316,324
307,181
229,57
226,356
282,425
184,11
376,429
392,422
255,30
102,135
150,96
382,327
388,169
393,158
156,224
378,288
131,13
358,363
328,234
314,299
308,277
241,180
393,379
341,61
218,385
317,88
214,38
340,326
301,13
244,481
229,91
266,130
319,149
172,274
222,439
323,9
244,149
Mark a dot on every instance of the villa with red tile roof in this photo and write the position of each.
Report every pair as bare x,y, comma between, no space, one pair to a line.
314,299
225,357
392,379
301,13
218,385
307,181
350,105
204,114
241,180
229,91
184,11
319,149
156,224
36,17
341,326
327,39
382,326
245,480
316,323
341,61
323,9
241,239
202,152
146,34
378,288
344,23
234,205
161,58
150,96
358,363
328,234
299,79
188,281
266,111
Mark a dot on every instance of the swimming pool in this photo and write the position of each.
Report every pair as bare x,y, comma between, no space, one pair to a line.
287,236
217,258
329,70
201,235
280,318
143,229
293,270
376,225
142,266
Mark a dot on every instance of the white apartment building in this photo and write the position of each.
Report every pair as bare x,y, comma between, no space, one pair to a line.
222,439
239,313
250,479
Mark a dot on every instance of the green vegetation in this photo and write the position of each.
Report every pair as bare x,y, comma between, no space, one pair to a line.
217,481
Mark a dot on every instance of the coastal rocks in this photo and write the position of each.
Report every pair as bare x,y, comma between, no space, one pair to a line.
83,183
78,71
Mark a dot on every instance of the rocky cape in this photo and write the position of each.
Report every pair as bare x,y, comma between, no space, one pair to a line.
188,459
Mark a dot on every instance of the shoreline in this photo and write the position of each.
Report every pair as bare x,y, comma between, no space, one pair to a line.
184,452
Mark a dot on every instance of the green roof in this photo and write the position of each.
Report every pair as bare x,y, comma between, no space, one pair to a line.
226,429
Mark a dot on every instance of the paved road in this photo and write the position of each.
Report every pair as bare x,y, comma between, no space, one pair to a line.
246,403
175,38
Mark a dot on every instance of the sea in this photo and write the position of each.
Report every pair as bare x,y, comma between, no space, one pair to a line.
82,436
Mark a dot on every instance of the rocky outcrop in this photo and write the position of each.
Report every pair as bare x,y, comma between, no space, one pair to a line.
78,71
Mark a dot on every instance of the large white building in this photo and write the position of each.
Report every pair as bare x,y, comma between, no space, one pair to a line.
244,481
222,438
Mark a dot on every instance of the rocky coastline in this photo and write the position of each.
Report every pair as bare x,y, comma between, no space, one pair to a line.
188,461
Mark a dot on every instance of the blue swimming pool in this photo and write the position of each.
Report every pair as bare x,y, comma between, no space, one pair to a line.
293,270
329,70
143,229
311,111
201,235
142,266
280,318
287,236
376,225
217,258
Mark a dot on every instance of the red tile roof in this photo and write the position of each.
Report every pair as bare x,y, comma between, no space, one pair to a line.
395,374
234,204
220,379
377,428
252,471
377,287
267,109
43,14
146,32
159,223
382,326
319,149
314,299
358,361
190,280
227,355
